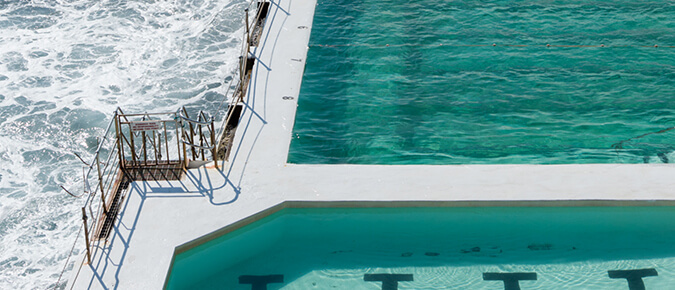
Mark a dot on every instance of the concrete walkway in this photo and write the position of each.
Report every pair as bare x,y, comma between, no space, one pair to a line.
159,216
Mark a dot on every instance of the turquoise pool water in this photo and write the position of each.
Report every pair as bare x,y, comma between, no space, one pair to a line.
439,248
441,93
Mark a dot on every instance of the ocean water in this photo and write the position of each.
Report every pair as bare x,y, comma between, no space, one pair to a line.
64,68
439,248
420,82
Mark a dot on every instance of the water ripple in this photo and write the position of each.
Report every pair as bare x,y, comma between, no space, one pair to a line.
418,102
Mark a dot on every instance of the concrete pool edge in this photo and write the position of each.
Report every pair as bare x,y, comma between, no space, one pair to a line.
158,217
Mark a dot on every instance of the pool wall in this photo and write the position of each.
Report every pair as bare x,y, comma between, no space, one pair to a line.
327,243
294,204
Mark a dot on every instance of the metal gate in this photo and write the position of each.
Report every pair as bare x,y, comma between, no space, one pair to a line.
158,146
149,147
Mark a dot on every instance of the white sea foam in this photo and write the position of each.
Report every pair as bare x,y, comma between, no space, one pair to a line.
64,67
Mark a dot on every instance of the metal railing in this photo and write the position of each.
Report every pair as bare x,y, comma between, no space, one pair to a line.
203,128
252,35
134,141
143,139
104,177
138,141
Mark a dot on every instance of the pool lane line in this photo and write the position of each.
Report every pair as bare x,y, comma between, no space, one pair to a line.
493,45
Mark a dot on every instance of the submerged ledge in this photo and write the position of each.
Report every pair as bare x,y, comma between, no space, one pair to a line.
410,204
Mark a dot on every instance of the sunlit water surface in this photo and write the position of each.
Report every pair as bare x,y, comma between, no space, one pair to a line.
419,82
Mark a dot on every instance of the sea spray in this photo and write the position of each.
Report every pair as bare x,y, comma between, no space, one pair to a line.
64,68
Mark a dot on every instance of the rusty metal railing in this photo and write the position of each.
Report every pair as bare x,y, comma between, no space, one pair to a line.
144,140
204,130
104,178
133,141
252,35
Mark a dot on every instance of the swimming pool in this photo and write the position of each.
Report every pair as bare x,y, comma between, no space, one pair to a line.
438,248
420,82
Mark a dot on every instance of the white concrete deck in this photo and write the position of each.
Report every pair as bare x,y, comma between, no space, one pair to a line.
159,216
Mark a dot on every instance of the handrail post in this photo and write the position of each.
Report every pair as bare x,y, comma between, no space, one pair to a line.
145,153
191,136
201,134
178,139
213,144
133,146
157,144
120,153
248,33
244,60
86,235
100,180
166,142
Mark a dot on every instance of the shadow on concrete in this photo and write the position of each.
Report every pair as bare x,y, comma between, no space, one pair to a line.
254,104
104,260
